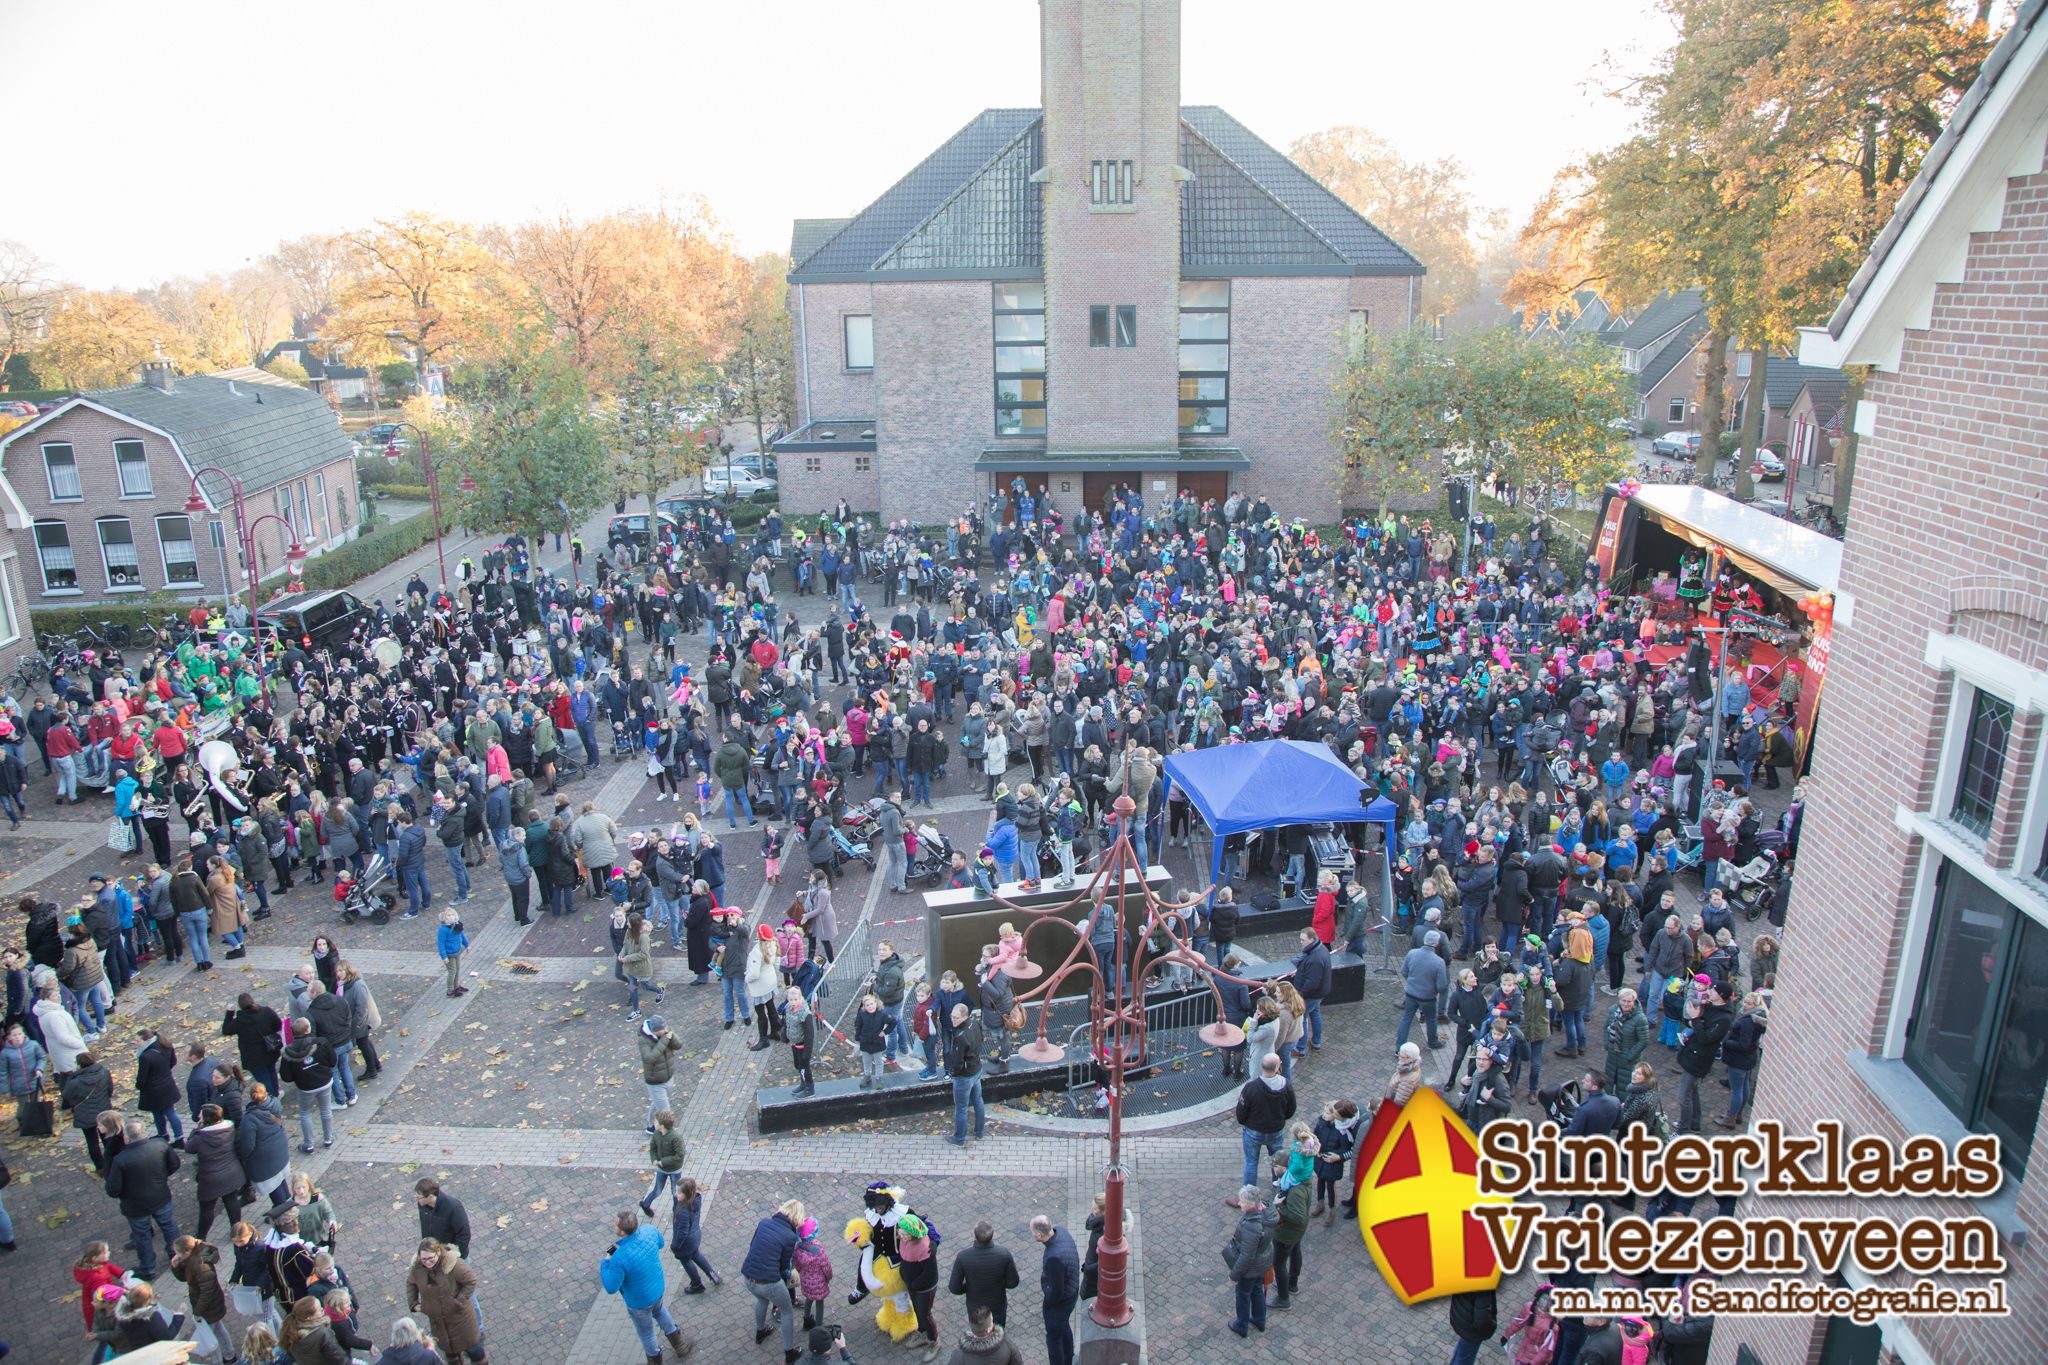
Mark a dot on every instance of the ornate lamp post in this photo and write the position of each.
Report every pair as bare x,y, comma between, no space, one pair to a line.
1116,1016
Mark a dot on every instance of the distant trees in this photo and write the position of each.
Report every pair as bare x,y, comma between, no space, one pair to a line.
1423,205
1527,408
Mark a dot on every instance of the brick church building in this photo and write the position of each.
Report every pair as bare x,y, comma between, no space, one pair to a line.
1913,999
1113,289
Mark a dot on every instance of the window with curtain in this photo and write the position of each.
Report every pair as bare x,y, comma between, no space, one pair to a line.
53,549
60,464
132,464
117,552
181,557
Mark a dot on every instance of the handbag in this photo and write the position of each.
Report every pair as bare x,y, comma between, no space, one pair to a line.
36,1115
1014,1020
373,1016
120,836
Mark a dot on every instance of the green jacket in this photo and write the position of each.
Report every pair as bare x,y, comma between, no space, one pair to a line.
1293,1224
658,1058
665,1149
730,765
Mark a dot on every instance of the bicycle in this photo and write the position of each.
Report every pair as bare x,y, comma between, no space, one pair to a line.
29,672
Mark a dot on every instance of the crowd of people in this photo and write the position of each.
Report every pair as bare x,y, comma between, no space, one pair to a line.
1549,772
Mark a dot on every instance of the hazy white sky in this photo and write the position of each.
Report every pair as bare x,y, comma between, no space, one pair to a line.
190,137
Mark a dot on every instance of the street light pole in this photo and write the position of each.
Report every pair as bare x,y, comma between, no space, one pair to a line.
1117,1018
433,490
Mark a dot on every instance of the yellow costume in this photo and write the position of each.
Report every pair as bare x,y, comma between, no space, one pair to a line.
881,1277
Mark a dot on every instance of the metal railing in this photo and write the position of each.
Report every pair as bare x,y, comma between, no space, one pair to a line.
1172,1033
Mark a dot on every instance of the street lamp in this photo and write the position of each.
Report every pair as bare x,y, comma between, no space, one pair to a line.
393,451
1116,1018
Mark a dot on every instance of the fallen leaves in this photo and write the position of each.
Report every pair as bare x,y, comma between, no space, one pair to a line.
567,1160
538,1206
57,1218
504,1220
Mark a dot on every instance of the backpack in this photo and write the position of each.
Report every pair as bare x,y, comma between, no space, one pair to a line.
1631,923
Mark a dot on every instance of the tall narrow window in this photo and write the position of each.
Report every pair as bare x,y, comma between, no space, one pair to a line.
1983,762
1126,324
1126,183
133,466
1098,183
1019,326
10,614
181,560
1358,330
1205,357
320,504
60,464
860,341
117,552
1098,324
53,550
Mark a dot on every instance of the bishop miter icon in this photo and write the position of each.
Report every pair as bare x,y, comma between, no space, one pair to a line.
1417,1184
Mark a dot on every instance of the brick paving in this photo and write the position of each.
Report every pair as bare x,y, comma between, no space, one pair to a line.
556,1158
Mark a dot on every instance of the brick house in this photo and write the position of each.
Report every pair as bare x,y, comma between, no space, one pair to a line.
1111,289
95,490
1909,1003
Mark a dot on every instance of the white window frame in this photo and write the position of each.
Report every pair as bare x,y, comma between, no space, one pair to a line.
10,610
1098,184
1971,668
163,553
106,565
1674,410
42,570
148,489
77,474
846,331
320,508
1358,329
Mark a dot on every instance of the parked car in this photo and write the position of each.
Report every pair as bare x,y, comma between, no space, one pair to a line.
327,618
383,434
738,482
688,505
1676,443
1623,424
632,527
19,409
1768,467
760,466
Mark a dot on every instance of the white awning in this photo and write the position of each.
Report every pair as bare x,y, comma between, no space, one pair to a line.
1784,550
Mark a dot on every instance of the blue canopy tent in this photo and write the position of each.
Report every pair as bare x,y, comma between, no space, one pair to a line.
1238,788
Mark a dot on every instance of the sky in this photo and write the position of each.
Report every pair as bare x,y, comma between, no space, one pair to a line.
208,131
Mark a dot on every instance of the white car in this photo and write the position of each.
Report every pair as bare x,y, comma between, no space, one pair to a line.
738,482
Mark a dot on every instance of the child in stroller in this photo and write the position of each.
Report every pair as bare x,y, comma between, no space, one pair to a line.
361,897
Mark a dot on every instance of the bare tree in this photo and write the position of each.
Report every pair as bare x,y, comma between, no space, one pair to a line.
26,296
312,267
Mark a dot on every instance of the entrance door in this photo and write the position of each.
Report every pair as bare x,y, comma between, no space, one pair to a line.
1098,491
1034,481
1204,483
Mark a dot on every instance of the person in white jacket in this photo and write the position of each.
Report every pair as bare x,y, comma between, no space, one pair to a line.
61,1038
995,756
764,983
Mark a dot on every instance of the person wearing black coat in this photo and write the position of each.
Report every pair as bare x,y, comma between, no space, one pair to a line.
257,1031
220,1174
1059,1288
1511,899
156,1087
140,1179
985,1274
1686,1338
1222,925
44,939
1237,1008
921,1282
1475,1317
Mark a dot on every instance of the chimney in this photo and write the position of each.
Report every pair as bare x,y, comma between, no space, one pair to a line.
233,392
157,374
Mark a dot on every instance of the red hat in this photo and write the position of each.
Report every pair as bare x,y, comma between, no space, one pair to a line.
764,933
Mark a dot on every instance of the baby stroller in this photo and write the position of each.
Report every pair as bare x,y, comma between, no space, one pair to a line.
624,739
845,850
862,822
361,898
934,857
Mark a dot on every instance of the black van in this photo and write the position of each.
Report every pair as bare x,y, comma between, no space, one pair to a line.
327,618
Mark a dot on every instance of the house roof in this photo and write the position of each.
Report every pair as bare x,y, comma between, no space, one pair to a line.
261,429
1999,68
1665,312
1682,344
1827,390
809,234
971,210
1783,379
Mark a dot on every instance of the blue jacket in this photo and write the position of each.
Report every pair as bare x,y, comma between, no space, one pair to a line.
412,850
688,1233
1059,1279
772,1254
199,1084
449,940
633,1270
1002,841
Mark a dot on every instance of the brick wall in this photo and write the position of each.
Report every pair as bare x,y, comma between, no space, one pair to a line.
935,376
91,435
1287,341
839,474
1948,507
1112,91
825,387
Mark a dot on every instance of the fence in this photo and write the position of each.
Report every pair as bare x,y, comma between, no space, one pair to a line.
1172,1033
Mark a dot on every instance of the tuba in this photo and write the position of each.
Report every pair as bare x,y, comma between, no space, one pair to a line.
219,758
